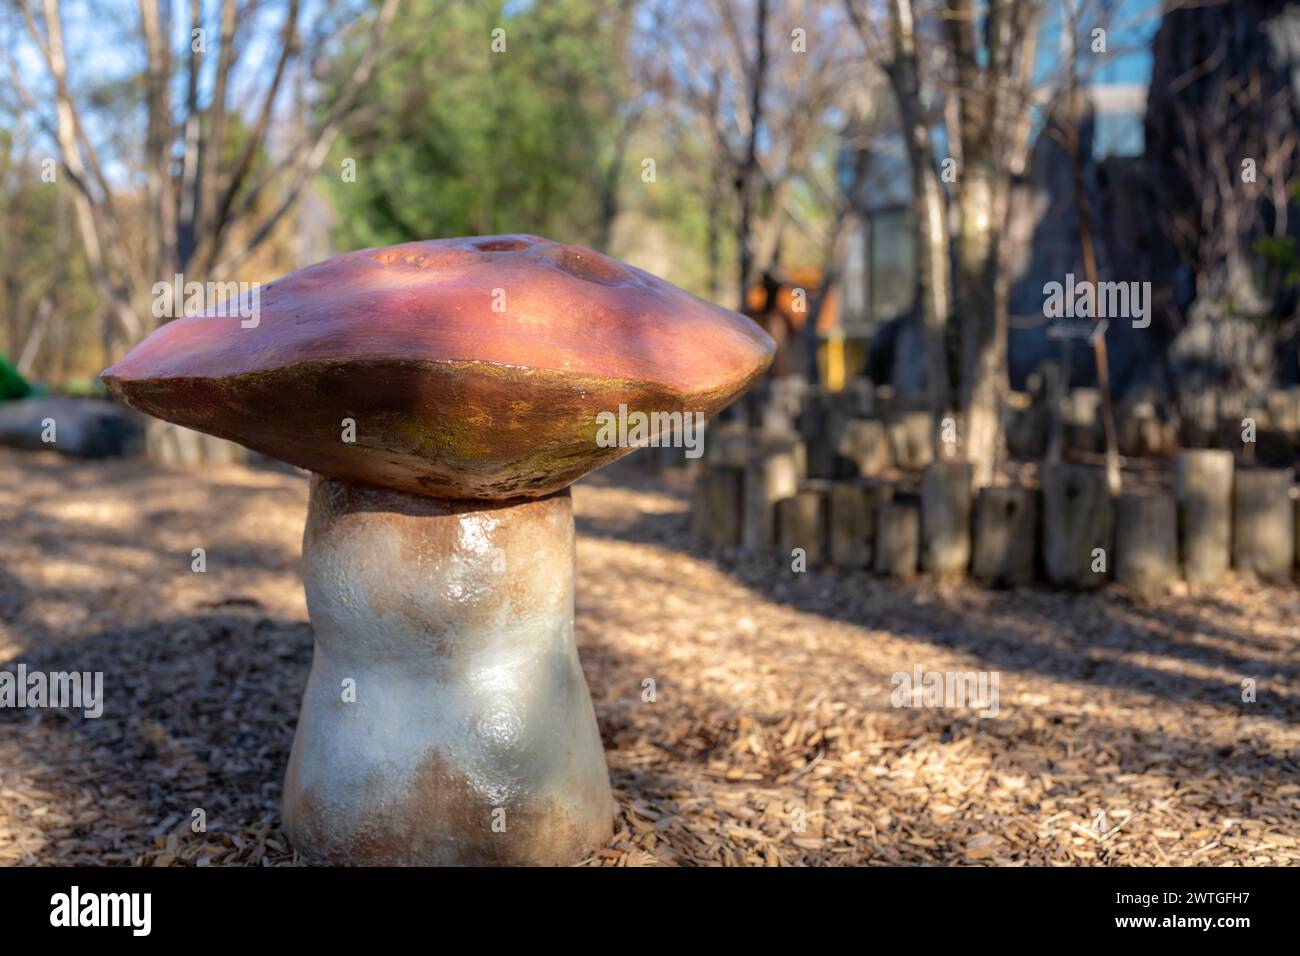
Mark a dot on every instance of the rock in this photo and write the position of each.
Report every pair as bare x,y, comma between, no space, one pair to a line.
1146,542
945,517
1203,479
1077,520
1263,531
81,427
1005,536
898,537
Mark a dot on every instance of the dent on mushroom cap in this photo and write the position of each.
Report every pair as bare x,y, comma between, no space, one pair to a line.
504,243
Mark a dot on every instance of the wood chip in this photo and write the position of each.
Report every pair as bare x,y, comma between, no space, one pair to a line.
1122,738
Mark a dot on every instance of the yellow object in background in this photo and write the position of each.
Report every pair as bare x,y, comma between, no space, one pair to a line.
834,374
839,360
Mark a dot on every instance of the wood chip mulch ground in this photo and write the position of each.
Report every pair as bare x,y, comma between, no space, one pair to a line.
1121,738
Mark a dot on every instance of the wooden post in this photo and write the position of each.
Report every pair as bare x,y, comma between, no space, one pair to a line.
801,521
910,435
851,521
1296,512
945,518
1077,526
819,425
1146,541
865,442
898,537
1204,491
1082,431
726,443
780,405
1005,536
1263,533
771,473
174,445
719,499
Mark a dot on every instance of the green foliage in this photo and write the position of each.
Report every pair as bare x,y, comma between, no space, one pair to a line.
455,139
84,388
1281,253
12,385
35,261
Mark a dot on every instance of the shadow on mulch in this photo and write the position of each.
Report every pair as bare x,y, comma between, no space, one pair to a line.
1072,636
1024,741
200,709
198,713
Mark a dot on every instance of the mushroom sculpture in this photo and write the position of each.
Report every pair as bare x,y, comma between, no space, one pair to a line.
445,394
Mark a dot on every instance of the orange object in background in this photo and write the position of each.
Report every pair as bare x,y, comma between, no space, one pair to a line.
791,302
808,280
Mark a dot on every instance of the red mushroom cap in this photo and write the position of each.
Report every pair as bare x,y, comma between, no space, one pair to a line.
473,368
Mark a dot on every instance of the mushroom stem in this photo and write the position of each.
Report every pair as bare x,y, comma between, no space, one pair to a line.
446,719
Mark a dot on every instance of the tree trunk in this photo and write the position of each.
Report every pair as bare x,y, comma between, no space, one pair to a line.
929,212
984,326
748,172
1114,477
993,56
713,238
609,192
